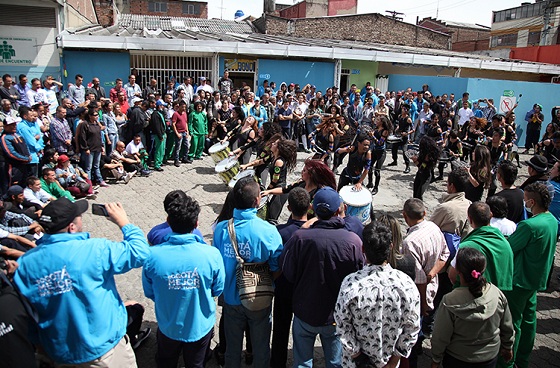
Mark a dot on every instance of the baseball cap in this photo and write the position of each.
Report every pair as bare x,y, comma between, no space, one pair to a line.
14,190
161,103
326,202
136,99
60,213
202,78
62,159
12,120
538,163
313,86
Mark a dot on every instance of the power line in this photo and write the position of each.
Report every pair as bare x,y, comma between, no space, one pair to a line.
395,14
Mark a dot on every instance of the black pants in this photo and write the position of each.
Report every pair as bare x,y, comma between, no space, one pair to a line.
17,173
135,314
377,160
275,206
451,362
195,354
281,323
421,182
532,138
395,150
346,179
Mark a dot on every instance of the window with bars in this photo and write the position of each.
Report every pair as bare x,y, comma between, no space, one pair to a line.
504,40
157,6
161,67
534,38
192,9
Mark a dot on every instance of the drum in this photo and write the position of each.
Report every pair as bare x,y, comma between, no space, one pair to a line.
394,139
227,169
445,157
219,151
468,146
412,150
358,202
514,148
458,164
262,210
241,175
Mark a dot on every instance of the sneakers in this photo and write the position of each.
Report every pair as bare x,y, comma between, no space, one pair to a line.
95,187
407,170
199,158
177,163
369,185
145,173
103,185
93,197
142,335
374,191
129,176
158,169
394,163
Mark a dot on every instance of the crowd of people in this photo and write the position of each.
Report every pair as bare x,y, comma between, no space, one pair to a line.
465,277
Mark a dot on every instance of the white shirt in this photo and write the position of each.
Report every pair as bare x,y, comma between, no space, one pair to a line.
464,115
506,227
34,97
41,197
132,148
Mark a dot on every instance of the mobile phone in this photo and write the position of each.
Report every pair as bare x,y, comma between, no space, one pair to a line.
99,209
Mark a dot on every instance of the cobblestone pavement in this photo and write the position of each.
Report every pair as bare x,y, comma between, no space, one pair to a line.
143,201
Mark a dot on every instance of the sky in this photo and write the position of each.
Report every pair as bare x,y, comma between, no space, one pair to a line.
468,11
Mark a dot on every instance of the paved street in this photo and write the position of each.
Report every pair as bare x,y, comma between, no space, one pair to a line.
143,201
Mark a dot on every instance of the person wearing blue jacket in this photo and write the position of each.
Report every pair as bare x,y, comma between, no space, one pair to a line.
182,276
258,241
69,280
258,112
31,133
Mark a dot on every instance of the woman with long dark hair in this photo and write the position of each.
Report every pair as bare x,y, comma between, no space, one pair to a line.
383,129
91,146
480,174
426,161
284,158
312,119
475,306
323,139
243,136
359,162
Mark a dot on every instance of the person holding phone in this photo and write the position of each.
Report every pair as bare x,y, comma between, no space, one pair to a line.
69,279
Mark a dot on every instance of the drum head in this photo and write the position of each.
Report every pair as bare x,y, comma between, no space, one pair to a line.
240,175
226,164
218,147
355,198
263,202
393,138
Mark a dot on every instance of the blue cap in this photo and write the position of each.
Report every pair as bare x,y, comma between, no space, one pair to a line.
326,202
161,103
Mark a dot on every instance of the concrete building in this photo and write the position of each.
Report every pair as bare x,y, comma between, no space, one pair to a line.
465,37
529,31
319,8
171,8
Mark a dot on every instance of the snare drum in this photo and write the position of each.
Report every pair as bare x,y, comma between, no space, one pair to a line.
262,210
219,151
412,150
394,139
227,169
358,202
240,175
445,157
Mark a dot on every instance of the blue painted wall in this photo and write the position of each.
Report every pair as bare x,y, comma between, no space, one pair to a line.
107,66
31,72
545,94
320,74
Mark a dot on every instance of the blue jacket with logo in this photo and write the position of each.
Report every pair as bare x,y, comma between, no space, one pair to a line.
69,280
258,241
182,276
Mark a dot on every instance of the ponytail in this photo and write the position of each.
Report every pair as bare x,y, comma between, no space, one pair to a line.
471,263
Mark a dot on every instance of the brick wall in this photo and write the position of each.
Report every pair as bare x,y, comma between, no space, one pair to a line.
477,39
105,13
362,27
174,8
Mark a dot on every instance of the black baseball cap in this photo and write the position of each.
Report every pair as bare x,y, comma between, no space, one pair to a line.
60,213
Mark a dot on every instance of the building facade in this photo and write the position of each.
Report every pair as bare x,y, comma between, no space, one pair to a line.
465,37
319,8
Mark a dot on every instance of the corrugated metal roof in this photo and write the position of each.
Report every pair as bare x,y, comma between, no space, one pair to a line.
137,21
466,25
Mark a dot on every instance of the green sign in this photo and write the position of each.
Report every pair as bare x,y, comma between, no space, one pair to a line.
18,51
509,93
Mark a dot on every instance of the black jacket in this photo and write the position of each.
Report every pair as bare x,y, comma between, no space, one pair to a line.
157,124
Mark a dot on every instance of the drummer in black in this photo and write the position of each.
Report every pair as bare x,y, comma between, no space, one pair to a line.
404,129
359,162
383,128
284,159
452,150
346,134
498,151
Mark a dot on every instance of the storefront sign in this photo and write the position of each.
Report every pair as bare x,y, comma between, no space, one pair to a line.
18,50
509,93
239,65
264,76
355,71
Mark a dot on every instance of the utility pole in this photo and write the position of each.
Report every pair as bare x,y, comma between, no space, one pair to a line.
395,14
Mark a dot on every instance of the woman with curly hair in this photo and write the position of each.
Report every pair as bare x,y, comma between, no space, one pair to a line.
323,139
426,161
270,132
480,174
359,162
284,158
383,129
314,176
473,132
243,136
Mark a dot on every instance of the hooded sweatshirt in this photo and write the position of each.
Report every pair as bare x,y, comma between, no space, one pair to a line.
472,330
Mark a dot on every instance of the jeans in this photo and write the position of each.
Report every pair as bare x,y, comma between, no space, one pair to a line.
260,324
304,340
114,138
184,143
90,164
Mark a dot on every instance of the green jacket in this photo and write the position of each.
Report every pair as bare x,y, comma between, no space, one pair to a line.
533,245
499,257
198,123
56,190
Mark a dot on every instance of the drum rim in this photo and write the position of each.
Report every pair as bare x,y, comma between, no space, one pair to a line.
224,145
353,204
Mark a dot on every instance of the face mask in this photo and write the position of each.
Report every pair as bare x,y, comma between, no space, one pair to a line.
528,209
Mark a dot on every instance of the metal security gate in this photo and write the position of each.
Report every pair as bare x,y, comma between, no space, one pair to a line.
161,67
